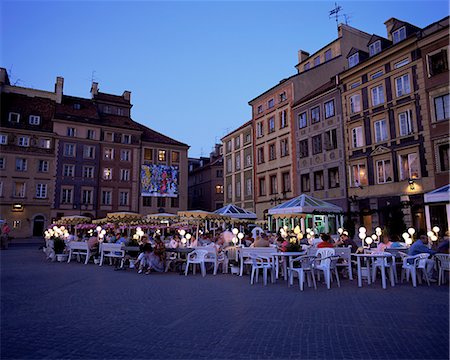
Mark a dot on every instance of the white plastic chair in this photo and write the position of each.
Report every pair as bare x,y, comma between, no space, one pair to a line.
196,257
387,261
306,267
413,263
112,251
328,265
261,262
79,248
443,265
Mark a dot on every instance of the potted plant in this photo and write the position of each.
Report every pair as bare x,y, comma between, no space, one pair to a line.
234,266
60,246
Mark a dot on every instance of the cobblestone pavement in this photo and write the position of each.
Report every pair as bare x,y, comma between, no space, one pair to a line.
77,311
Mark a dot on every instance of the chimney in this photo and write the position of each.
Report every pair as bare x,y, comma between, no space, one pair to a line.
302,55
4,79
389,25
127,95
94,89
59,89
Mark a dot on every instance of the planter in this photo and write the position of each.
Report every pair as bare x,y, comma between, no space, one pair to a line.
62,257
234,269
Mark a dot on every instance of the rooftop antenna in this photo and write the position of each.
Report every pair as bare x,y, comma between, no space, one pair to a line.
93,76
346,18
335,13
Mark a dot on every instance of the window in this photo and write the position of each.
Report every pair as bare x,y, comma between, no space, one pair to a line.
106,197
124,175
161,202
302,121
384,171
286,177
272,152
399,35
260,109
238,162
41,191
107,174
402,85
125,155
91,134
77,106
14,117
271,125
34,120
437,62
262,187
328,55
107,109
283,96
120,111
229,165
284,147
68,170
283,119
45,143
315,115
248,160
259,129
377,95
375,48
238,189
109,136
270,104
219,189
89,152
162,155
248,187
377,75
355,85
318,180
306,66
126,139
229,146
219,173
108,154
229,191
237,142
2,163
317,60
147,201
353,60
19,189
273,185
248,138
444,157
317,144
175,156
329,109
86,197
409,166
43,166
71,131
442,107
148,154
401,63
305,183
23,141
333,178
355,103
88,172
260,155
359,175
66,196
69,150
330,140
303,148
404,123
21,164
357,137
380,128
3,139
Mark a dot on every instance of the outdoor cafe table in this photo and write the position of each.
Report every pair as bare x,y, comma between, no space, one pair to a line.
180,251
288,256
370,259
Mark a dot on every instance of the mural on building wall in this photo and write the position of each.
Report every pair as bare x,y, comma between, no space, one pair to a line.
159,180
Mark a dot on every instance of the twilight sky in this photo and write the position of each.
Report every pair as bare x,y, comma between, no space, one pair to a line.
192,67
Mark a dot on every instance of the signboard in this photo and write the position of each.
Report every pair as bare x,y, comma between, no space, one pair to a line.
159,180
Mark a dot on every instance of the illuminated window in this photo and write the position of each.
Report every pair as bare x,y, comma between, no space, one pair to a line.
108,154
148,154
161,155
107,174
175,156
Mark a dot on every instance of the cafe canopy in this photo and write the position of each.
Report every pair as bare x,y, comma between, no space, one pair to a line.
236,212
437,208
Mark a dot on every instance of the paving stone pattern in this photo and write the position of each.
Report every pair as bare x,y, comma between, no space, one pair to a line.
58,310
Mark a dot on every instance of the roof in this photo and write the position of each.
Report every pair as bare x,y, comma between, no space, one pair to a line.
67,111
376,37
239,128
305,204
119,121
320,90
111,98
273,87
441,194
235,212
151,135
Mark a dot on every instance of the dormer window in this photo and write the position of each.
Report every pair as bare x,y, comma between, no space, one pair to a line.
353,60
260,109
307,66
77,106
317,60
34,120
399,35
120,111
14,117
375,48
126,139
107,109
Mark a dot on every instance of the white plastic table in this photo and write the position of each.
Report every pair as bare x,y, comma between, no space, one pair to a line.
372,257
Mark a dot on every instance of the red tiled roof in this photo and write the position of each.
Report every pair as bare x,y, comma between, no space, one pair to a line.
151,135
67,111
111,98
119,121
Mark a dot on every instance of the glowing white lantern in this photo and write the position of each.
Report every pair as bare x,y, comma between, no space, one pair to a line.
378,231
408,241
369,240
240,236
345,232
188,236
411,231
374,237
434,238
297,230
135,236
362,229
308,230
99,228
63,228
430,233
182,232
300,236
234,240
436,229
362,236
235,231
340,231
55,228
285,227
103,232
405,235
183,241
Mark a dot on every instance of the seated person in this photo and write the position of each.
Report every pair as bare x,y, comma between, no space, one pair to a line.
144,259
384,244
326,242
174,242
194,242
345,241
261,241
420,247
122,239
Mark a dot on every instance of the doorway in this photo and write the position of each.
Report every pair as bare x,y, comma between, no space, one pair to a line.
38,225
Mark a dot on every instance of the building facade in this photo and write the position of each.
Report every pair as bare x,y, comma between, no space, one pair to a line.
238,167
387,132
206,190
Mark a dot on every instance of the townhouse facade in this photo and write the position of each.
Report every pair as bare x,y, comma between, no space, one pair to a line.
387,132
238,167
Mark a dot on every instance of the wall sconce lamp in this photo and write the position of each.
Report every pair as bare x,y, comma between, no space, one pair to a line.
411,183
17,207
